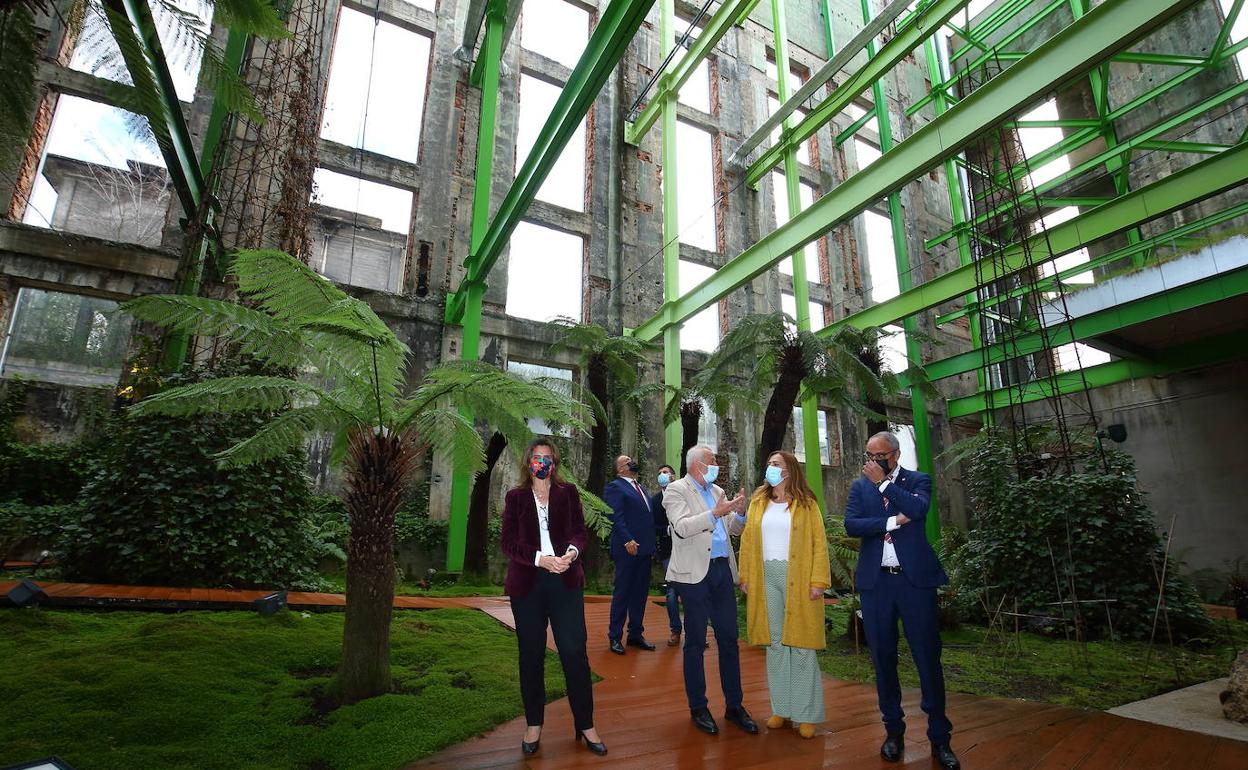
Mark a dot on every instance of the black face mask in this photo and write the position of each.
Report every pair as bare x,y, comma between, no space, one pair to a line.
883,464
633,467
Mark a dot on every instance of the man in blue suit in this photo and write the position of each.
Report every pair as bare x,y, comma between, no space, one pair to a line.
632,548
898,574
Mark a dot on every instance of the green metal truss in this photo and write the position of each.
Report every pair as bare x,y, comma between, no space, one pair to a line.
1076,49
1214,350
615,29
1190,185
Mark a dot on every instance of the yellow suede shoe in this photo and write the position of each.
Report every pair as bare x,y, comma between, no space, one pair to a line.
775,722
806,730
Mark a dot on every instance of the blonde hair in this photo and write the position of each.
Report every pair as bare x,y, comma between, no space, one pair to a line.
795,479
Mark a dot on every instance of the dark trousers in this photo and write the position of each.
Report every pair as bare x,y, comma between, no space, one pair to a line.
628,597
551,602
713,599
894,598
673,604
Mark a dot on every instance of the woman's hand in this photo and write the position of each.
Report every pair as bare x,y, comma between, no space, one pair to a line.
743,588
816,593
553,564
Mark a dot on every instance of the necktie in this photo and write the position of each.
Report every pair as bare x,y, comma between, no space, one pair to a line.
888,536
642,495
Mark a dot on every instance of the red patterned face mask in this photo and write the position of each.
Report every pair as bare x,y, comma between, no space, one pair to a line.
540,466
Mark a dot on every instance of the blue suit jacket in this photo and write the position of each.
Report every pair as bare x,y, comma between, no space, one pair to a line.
866,518
631,518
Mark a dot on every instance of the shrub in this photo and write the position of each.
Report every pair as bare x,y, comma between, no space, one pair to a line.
159,509
44,524
37,474
1051,535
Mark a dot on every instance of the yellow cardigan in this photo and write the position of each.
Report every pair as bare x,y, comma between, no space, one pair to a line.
808,568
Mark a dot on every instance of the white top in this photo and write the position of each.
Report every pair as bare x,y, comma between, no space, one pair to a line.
543,526
777,528
889,558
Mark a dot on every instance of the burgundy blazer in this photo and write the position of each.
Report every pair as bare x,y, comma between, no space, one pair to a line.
521,539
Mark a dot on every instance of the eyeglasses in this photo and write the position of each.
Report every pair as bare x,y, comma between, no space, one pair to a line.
878,455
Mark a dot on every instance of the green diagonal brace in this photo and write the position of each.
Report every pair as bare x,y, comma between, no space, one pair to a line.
607,44
681,71
875,68
1077,48
1226,347
1191,185
1159,305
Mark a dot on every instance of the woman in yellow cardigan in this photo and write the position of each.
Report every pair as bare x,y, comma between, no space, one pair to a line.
784,571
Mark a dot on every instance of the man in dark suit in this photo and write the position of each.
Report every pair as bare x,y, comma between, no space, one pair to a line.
898,574
632,549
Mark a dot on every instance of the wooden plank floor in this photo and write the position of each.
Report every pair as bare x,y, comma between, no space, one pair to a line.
641,713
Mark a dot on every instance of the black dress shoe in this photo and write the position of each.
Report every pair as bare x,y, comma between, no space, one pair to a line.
893,747
530,749
599,748
741,718
945,757
640,642
616,647
703,720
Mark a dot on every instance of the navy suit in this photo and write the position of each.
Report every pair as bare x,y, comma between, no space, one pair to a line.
631,520
909,595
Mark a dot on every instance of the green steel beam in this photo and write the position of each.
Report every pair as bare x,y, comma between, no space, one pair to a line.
1190,185
615,30
1078,47
673,80
1227,347
1132,57
235,48
490,62
1159,305
1176,237
672,374
1224,34
987,26
132,20
1174,145
854,127
876,67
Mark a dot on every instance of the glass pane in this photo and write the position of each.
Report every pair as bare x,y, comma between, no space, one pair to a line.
555,29
65,338
96,50
532,372
544,273
695,187
373,62
702,331
565,185
361,229
101,175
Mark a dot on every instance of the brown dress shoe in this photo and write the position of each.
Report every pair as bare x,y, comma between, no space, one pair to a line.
674,640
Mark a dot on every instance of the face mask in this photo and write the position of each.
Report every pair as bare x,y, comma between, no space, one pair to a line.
665,479
774,475
633,467
883,464
712,473
540,466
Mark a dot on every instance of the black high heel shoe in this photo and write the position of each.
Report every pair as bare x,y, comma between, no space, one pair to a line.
530,749
598,748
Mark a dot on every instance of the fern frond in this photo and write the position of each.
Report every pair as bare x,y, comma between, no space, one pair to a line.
282,285
451,437
256,333
254,17
285,432
230,395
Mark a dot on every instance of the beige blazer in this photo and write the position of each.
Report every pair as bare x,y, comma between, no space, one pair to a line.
691,531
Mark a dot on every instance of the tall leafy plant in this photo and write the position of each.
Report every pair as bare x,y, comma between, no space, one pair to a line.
347,378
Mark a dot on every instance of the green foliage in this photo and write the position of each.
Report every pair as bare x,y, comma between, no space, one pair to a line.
37,474
235,691
44,524
1053,536
18,62
159,510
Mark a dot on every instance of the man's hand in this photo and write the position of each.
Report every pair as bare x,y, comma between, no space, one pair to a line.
874,473
631,547
902,519
554,564
815,593
726,506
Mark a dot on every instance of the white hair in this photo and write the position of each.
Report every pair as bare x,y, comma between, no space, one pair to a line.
695,455
889,437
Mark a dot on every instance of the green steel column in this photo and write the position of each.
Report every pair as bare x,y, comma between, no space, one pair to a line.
671,232
491,56
801,287
918,405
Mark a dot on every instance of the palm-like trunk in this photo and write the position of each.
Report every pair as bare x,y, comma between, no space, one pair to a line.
477,541
779,413
379,468
690,416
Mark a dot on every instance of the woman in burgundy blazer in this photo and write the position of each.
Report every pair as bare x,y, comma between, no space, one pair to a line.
543,537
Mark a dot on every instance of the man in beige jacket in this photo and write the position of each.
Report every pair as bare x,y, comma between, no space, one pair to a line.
703,569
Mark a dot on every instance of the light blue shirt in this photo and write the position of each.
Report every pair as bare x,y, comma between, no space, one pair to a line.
719,535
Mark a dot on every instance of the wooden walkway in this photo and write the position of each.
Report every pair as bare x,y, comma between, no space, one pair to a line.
641,714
